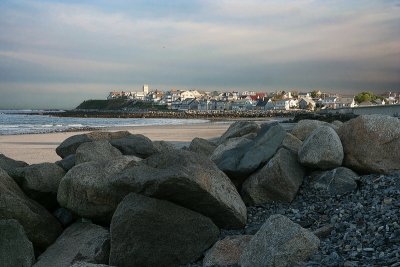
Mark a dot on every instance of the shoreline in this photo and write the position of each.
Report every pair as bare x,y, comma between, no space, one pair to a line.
40,147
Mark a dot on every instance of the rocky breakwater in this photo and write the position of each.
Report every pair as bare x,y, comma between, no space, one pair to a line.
118,199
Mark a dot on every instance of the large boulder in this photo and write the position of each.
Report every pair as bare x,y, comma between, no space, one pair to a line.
9,164
96,151
305,127
163,146
337,124
226,252
278,180
240,129
227,157
292,143
187,179
69,145
322,149
79,242
338,181
135,144
86,191
371,143
245,157
40,226
67,163
15,247
202,146
263,147
152,232
279,242
40,182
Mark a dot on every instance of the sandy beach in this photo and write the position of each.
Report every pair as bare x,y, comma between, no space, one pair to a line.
37,148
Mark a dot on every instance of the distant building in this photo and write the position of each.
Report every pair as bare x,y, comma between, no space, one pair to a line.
307,103
145,89
205,105
345,102
329,102
243,104
379,101
304,95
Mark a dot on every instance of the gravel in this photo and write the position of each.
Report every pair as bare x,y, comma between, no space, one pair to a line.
361,228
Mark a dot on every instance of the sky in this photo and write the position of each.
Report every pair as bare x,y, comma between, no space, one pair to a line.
55,54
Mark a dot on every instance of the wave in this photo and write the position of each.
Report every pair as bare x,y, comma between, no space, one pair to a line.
11,124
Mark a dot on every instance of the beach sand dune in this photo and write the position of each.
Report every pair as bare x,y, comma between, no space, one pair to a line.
37,148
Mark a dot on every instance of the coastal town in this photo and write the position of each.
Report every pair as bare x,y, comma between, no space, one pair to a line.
214,101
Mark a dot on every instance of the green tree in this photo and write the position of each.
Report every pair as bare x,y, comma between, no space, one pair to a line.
314,94
365,97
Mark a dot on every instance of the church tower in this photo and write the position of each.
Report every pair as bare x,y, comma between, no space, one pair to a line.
145,89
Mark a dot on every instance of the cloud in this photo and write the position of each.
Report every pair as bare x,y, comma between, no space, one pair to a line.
230,44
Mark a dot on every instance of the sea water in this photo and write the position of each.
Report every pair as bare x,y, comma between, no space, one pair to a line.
23,122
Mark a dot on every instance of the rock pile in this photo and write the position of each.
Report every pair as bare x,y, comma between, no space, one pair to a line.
123,200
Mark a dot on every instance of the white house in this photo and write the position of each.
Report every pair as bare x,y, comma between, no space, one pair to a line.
307,103
329,102
345,102
303,95
186,94
282,104
228,96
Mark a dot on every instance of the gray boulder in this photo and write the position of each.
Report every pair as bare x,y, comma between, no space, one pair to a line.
40,182
292,143
243,159
279,242
279,180
263,147
187,179
96,151
226,252
202,146
152,232
67,163
86,191
227,155
305,127
322,149
69,145
163,146
80,242
337,124
239,129
9,164
40,226
15,247
371,143
136,145
337,181
64,216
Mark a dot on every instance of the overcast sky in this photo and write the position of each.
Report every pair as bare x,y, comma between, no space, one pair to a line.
55,54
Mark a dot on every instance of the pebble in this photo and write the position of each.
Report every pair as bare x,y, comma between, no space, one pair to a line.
356,229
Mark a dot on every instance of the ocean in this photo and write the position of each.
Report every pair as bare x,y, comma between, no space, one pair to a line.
21,122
